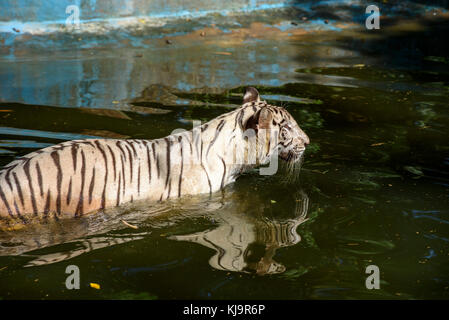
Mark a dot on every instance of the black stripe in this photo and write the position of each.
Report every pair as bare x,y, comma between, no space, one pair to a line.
17,208
55,156
217,132
120,147
236,118
156,158
18,212
19,189
286,145
123,174
79,209
132,147
69,192
122,160
221,253
74,155
122,154
118,190
224,173
182,166
131,160
232,138
208,180
148,162
87,142
103,195
167,179
39,178
97,143
92,184
269,145
240,118
26,168
7,178
47,203
169,190
2,196
113,162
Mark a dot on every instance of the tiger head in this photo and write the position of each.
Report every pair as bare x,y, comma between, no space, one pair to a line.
284,133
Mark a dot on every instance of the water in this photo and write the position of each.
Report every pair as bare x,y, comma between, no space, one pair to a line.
373,188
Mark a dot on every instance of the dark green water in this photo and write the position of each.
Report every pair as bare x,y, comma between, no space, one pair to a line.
373,189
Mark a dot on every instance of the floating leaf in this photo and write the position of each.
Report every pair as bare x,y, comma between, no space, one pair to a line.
95,285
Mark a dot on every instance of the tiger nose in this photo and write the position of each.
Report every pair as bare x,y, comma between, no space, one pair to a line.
305,140
303,136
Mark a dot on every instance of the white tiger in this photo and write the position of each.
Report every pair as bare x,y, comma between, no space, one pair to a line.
77,177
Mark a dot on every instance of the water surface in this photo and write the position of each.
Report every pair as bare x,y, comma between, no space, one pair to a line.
373,188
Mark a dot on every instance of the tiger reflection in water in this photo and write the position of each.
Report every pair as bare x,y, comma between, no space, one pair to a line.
246,242
245,238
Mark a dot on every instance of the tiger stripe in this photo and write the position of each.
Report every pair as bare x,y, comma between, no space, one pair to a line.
79,209
182,166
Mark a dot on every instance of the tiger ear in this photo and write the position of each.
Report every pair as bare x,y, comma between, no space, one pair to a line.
265,118
251,94
260,120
